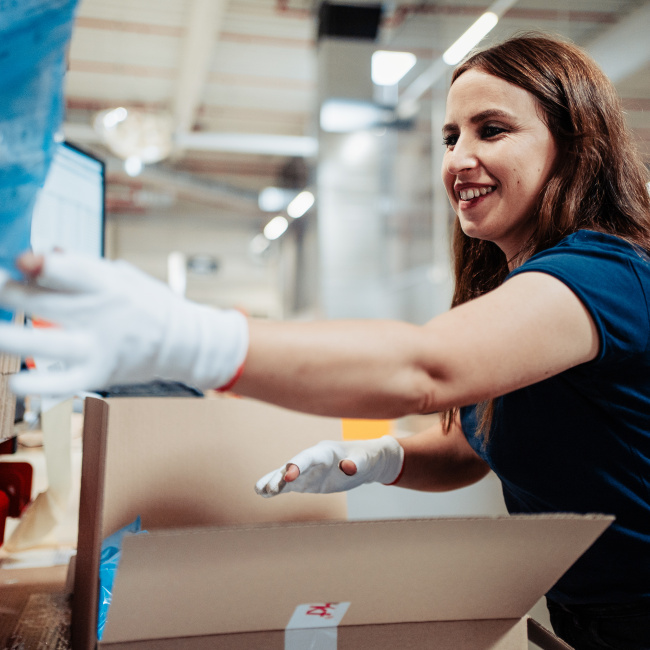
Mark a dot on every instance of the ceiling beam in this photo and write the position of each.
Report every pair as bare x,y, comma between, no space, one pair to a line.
292,146
201,34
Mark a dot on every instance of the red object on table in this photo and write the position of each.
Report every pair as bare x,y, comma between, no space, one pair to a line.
4,513
16,483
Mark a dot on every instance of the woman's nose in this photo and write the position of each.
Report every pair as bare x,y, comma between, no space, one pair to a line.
462,157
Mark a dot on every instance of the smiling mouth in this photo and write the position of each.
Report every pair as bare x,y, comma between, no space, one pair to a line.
474,193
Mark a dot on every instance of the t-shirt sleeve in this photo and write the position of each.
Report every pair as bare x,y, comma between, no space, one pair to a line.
469,424
607,283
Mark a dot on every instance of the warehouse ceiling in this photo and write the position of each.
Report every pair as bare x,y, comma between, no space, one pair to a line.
232,84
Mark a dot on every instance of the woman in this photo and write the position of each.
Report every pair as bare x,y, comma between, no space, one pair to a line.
547,337
551,197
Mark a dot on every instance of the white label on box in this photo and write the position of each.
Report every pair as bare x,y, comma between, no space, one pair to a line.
314,627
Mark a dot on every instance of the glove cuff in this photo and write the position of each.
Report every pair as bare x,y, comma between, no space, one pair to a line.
394,460
209,344
227,386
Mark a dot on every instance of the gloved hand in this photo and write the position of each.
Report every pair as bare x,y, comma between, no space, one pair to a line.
116,325
379,460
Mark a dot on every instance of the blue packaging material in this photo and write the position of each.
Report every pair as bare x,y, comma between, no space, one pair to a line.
6,315
34,35
108,563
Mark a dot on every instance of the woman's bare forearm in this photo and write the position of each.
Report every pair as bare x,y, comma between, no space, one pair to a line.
338,368
435,461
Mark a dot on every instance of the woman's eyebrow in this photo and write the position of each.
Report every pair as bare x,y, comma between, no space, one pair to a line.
488,113
478,118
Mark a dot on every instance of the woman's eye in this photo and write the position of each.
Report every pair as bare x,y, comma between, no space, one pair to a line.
450,140
492,131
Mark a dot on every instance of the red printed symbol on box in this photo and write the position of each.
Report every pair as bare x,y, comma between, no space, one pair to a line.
317,615
324,611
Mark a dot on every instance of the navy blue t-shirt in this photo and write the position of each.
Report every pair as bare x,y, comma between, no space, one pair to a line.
579,442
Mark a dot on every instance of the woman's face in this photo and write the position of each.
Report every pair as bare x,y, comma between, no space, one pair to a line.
499,156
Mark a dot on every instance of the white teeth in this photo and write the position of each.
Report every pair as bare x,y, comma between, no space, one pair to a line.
468,195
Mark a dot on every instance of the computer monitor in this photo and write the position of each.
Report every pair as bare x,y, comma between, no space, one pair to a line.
69,212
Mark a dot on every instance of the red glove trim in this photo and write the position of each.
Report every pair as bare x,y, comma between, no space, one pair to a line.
235,378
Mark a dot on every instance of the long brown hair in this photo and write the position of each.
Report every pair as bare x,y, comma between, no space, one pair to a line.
599,180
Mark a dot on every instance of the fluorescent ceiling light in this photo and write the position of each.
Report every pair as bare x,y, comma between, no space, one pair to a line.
276,227
112,118
388,68
259,244
470,38
300,204
133,166
275,199
358,148
346,115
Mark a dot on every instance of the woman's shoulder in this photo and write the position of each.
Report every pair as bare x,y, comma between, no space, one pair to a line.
589,247
611,277
594,263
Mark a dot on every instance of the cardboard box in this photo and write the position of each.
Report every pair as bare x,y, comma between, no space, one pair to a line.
223,568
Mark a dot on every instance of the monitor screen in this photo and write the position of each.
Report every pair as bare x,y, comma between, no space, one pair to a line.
69,210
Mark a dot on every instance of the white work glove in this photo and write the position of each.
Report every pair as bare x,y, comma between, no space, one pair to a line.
115,324
379,460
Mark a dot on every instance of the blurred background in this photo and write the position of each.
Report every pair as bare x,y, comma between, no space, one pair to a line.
283,156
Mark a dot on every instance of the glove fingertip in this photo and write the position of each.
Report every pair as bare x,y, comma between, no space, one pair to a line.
290,474
348,466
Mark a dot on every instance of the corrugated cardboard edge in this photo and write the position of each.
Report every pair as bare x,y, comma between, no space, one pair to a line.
505,634
9,365
544,638
86,587
7,408
537,635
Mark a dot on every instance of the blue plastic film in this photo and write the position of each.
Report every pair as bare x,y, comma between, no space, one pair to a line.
34,35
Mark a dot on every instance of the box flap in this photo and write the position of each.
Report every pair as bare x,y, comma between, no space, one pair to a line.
194,462
232,579
184,462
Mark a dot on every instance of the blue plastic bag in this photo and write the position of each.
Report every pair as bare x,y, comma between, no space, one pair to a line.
108,563
34,35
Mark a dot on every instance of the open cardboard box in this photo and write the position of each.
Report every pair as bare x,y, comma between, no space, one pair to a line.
224,568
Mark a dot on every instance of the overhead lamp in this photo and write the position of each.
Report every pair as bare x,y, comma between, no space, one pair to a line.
133,166
347,115
276,227
259,245
387,68
136,133
111,118
470,38
275,199
300,204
